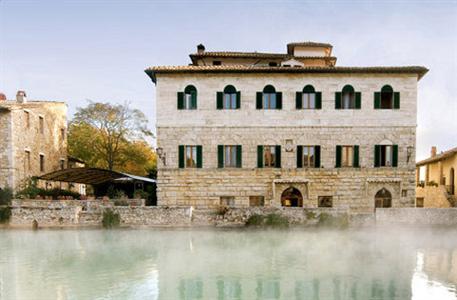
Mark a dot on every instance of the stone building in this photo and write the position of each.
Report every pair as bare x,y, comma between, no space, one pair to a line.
285,129
438,187
32,139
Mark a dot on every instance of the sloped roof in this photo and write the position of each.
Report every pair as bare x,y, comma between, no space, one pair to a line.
91,176
152,71
438,157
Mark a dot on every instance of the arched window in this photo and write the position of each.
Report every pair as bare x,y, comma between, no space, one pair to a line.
188,99
387,98
269,97
348,98
383,198
291,197
229,98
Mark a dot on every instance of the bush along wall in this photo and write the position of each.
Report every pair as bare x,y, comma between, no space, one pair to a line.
110,219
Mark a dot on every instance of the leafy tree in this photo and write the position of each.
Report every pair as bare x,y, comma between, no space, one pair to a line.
113,137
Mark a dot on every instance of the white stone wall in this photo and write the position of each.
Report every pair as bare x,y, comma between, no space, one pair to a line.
249,127
5,150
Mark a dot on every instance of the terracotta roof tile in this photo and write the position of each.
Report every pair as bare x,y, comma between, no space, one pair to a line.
438,157
152,71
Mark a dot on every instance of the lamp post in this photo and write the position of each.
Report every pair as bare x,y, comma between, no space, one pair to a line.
162,155
409,153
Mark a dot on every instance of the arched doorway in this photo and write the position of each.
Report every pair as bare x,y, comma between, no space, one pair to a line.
451,182
383,198
291,197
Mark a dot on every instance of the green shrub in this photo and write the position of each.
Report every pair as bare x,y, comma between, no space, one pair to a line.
5,214
341,221
113,193
275,220
121,202
255,220
140,194
110,219
270,220
32,192
6,195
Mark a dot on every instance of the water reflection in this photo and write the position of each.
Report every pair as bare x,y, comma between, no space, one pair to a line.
227,265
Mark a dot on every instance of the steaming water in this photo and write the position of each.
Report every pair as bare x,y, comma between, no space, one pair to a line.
236,264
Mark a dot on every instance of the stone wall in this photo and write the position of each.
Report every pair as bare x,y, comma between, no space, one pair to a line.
68,213
51,143
249,127
5,149
434,196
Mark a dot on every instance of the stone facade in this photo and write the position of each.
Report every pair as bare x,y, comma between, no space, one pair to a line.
29,130
438,187
248,126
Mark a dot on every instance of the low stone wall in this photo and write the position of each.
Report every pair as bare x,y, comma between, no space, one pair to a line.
416,216
66,213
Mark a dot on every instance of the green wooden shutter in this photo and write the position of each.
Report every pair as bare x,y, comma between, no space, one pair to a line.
298,100
395,156
278,156
317,156
259,100
358,100
199,157
220,156
238,99
239,153
181,156
338,156
299,156
278,100
355,162
193,99
180,100
338,100
377,156
377,100
259,156
220,100
318,100
397,100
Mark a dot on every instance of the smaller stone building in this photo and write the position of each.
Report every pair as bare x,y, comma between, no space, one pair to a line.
33,139
438,187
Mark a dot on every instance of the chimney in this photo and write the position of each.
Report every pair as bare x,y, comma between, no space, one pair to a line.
200,49
21,97
2,97
433,151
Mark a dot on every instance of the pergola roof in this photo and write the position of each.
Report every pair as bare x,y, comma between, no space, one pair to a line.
92,176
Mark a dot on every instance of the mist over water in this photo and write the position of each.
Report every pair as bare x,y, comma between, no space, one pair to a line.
380,263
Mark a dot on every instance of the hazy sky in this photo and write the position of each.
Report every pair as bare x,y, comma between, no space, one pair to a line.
78,50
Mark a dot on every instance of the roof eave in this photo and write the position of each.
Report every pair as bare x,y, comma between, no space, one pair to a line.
151,75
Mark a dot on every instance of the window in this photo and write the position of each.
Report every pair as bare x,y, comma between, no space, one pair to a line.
269,98
419,202
308,98
269,156
272,64
256,201
27,119
347,156
27,166
62,134
308,156
190,156
387,98
217,63
41,163
188,99
404,193
386,155
348,98
227,201
324,201
229,98
41,124
62,164
229,156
